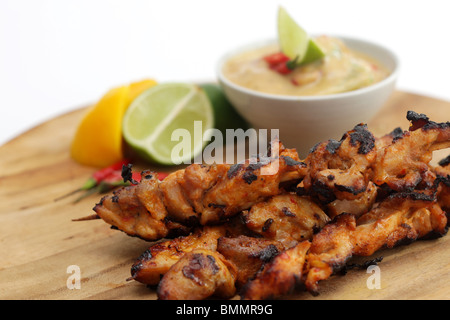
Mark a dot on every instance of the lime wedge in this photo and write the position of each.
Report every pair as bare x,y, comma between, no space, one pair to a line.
164,116
295,41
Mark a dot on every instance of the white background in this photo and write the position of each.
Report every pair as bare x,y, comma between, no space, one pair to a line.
57,55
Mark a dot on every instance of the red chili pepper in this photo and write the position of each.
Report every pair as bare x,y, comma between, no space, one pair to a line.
102,174
104,180
162,175
136,176
276,58
281,63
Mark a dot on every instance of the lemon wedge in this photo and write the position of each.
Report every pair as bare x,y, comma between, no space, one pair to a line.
98,138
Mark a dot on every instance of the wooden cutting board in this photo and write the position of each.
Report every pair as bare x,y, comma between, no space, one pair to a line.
39,240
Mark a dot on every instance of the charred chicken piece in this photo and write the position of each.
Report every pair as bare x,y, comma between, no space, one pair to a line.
400,219
248,254
138,211
198,275
340,169
287,218
195,181
280,276
404,164
357,206
158,258
173,196
330,250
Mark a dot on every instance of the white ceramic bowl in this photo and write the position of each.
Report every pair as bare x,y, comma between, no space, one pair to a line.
304,121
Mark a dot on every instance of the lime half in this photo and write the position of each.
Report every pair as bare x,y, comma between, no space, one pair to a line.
295,41
166,124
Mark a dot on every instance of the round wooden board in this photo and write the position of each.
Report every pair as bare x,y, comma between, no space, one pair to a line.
39,240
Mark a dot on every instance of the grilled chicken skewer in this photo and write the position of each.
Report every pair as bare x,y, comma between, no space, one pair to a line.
343,169
197,195
348,175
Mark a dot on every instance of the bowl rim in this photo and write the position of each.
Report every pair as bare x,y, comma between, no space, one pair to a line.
257,44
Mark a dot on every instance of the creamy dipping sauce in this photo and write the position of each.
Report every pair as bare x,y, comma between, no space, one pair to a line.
341,70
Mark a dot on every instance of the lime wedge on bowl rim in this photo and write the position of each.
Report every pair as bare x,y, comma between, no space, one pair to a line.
295,41
154,115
